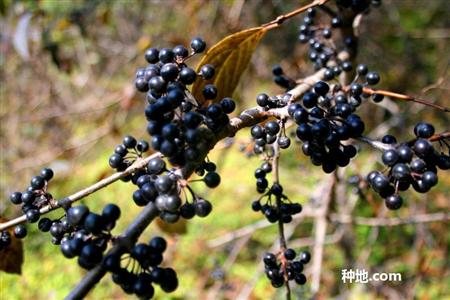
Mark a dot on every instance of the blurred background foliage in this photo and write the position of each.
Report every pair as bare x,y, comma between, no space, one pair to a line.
67,98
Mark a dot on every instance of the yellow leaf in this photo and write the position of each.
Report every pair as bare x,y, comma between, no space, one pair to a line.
230,57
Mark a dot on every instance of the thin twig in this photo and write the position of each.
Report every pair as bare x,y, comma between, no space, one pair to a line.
218,286
320,228
375,144
413,219
328,11
440,136
280,19
276,180
309,241
336,218
401,97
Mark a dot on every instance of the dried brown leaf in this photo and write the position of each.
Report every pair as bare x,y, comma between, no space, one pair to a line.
11,258
230,57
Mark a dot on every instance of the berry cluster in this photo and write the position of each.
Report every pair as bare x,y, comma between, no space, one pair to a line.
321,47
136,270
82,233
280,210
34,198
284,267
325,118
163,187
127,152
260,175
409,164
180,127
269,134
364,78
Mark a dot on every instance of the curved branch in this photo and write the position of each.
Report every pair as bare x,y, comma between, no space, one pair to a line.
413,219
401,97
280,19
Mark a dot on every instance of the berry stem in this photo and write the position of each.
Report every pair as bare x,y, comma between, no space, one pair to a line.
283,244
440,136
402,97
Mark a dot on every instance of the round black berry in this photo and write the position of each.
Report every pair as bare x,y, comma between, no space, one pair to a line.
207,71
393,202
20,231
212,179
198,45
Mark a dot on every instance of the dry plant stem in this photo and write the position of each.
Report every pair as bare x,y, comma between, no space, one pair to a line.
333,238
440,136
280,19
283,245
249,230
129,238
402,97
375,144
345,204
219,285
335,218
320,228
413,219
